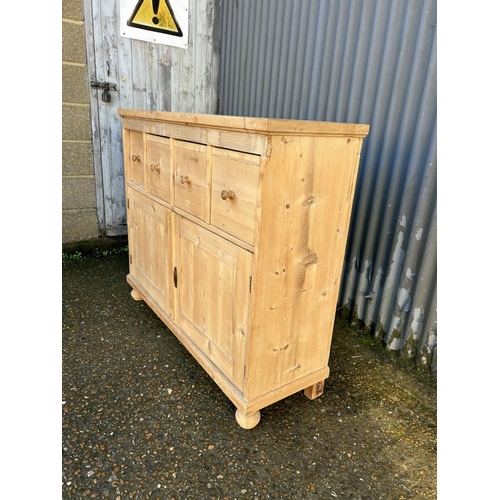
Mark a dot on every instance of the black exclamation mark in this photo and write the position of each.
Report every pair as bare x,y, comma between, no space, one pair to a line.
156,5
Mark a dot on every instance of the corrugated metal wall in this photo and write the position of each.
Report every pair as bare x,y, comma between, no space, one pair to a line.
360,61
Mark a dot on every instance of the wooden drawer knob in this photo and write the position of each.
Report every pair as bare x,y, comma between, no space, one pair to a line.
185,179
228,194
136,158
155,167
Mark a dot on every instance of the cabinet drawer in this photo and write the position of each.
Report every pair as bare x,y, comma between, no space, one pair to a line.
158,171
135,159
235,186
191,177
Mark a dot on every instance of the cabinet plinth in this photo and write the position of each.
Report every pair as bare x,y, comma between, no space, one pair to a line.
237,231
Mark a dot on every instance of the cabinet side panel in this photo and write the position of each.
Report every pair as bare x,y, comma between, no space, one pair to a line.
306,200
126,154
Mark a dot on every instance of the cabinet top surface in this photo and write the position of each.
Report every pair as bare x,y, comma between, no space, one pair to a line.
257,125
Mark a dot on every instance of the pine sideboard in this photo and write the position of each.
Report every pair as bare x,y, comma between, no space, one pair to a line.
237,230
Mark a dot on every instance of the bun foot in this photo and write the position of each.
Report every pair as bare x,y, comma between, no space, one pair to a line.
135,295
247,421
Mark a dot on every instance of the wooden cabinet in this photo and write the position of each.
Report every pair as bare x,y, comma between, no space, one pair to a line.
237,233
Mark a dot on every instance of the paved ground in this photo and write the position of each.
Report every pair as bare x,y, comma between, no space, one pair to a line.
141,420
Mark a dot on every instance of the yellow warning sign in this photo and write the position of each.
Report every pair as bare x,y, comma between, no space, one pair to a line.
155,15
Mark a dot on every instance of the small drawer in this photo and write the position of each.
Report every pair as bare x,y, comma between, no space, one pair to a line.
191,177
158,172
135,158
235,187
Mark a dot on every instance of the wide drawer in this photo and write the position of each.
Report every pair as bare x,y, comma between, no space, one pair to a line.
235,187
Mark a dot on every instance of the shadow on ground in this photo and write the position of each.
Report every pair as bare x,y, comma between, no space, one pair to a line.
142,420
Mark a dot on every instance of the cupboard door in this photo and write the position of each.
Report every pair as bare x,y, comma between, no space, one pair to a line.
213,293
149,248
158,166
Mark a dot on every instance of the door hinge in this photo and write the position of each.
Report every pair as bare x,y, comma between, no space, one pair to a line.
250,284
175,277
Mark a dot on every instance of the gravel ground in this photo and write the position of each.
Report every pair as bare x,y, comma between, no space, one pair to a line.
142,420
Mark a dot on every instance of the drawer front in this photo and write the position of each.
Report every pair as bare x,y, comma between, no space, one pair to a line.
191,177
235,186
135,158
158,170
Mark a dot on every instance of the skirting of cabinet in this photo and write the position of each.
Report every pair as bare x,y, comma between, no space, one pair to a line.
245,409
237,231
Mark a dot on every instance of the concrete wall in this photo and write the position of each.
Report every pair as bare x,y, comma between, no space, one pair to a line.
79,213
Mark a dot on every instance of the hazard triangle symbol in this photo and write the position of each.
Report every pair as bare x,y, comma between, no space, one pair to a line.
155,15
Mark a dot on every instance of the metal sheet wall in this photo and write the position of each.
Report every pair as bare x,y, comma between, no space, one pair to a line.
361,61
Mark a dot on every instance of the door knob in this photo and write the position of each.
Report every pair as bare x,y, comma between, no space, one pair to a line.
228,194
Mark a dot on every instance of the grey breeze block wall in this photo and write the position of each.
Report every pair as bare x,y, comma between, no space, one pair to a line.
79,208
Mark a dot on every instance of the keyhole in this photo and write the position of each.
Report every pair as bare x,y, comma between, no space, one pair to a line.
156,5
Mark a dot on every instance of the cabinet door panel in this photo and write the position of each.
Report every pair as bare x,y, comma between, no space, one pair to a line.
149,243
213,296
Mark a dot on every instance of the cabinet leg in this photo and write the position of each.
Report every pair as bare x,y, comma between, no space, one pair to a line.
247,421
315,390
135,295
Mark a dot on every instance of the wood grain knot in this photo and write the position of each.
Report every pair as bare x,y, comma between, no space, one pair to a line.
309,260
310,201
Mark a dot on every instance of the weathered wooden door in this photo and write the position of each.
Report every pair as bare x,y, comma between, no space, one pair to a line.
102,19
135,74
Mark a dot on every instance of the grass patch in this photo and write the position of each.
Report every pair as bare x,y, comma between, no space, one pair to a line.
97,252
95,247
